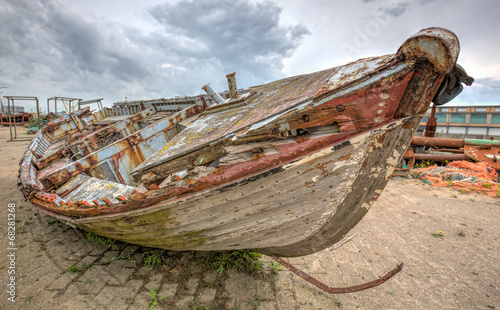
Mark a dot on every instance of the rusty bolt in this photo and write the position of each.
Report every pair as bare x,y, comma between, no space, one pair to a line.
306,118
340,108
257,150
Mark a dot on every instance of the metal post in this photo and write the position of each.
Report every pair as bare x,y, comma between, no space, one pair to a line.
14,117
38,113
10,120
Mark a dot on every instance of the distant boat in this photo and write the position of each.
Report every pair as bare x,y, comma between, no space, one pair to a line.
15,119
286,168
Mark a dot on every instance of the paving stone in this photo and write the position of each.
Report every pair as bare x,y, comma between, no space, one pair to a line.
62,281
210,277
207,295
184,302
189,286
264,290
154,282
169,290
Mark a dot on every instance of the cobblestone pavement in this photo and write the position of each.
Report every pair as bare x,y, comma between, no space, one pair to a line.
460,270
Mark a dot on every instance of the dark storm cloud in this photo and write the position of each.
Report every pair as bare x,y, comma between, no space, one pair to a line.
395,9
241,35
48,44
43,34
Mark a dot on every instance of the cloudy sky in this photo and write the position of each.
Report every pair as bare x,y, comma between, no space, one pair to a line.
119,49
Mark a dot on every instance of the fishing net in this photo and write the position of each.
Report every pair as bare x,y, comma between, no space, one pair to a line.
462,175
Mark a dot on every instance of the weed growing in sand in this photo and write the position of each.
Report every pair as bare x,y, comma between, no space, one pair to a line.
110,243
153,259
242,260
121,256
197,306
73,269
53,221
438,234
154,300
255,304
461,233
337,301
209,284
275,267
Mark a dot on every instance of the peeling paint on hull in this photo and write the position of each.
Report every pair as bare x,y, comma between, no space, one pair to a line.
292,210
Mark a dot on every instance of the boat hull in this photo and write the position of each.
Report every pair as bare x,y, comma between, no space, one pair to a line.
287,169
307,204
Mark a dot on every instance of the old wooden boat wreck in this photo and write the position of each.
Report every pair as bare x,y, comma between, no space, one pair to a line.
286,168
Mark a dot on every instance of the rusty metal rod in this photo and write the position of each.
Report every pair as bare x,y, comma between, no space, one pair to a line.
437,142
233,89
439,157
338,290
453,143
458,151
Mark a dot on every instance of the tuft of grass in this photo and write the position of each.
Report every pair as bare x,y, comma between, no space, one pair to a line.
110,243
460,232
209,284
487,185
463,191
438,235
275,267
196,306
53,221
475,272
242,260
121,256
255,304
337,300
73,269
454,196
153,259
28,299
154,298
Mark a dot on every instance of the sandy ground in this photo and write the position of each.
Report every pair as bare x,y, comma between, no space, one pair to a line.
460,270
